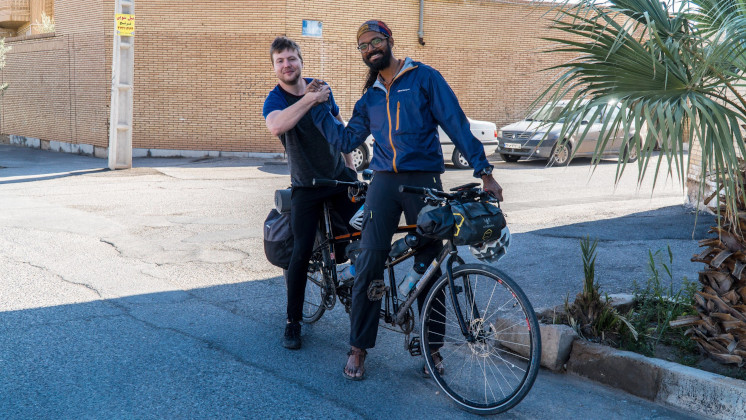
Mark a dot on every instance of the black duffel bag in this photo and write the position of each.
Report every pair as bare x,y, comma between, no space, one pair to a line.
435,222
476,222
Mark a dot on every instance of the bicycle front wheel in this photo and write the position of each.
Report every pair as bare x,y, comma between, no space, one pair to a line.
490,364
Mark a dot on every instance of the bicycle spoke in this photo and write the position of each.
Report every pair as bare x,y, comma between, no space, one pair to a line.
507,363
510,353
504,379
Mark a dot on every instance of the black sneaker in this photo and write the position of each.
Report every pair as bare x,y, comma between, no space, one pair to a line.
292,336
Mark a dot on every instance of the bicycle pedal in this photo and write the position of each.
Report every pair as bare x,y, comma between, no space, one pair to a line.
377,290
414,346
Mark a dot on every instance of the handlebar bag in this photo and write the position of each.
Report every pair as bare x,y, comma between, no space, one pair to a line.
435,222
278,238
476,222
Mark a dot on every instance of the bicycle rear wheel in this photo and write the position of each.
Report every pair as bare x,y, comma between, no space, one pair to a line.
316,284
492,367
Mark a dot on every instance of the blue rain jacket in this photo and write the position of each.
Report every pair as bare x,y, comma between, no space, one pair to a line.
404,123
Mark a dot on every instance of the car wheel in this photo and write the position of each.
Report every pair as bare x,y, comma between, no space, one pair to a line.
630,154
561,154
459,160
360,157
509,158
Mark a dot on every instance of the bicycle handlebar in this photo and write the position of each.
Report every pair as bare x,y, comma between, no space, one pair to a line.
432,193
320,182
325,182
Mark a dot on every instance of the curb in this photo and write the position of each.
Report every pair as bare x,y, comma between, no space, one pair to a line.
664,382
696,391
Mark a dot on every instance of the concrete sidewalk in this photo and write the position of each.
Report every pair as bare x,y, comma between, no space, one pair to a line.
155,277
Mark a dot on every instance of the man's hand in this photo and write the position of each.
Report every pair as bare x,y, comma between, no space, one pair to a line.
348,161
318,96
314,86
491,186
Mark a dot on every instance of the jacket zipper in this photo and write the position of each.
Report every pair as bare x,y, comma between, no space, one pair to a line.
398,105
391,139
388,113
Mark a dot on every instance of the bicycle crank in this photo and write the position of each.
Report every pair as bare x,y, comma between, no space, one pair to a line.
330,297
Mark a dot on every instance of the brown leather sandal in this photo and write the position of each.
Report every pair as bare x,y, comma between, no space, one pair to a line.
438,361
359,354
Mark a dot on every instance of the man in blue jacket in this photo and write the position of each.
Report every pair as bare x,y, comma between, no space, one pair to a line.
403,103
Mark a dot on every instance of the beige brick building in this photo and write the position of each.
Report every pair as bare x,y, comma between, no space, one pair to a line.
202,68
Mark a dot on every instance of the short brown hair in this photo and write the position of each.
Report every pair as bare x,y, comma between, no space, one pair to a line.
282,43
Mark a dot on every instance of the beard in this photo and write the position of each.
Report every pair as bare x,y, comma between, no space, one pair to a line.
382,62
291,79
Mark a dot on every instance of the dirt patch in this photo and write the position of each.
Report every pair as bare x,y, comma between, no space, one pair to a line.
698,361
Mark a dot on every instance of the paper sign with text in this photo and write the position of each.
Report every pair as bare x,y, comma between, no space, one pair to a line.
125,24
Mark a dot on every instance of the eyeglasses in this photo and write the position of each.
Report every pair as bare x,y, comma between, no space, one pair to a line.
375,43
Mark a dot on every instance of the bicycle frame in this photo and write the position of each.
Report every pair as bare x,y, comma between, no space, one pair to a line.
448,255
445,259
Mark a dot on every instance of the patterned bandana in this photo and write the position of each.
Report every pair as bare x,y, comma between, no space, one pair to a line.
374,26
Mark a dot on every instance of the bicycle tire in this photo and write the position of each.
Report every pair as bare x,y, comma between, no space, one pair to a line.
496,370
316,290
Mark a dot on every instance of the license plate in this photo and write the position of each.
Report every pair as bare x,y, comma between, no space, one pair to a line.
512,145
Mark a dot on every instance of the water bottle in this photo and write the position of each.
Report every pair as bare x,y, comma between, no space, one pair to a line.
412,240
402,245
346,274
398,248
411,278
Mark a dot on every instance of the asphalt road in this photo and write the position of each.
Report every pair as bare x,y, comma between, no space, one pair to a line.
144,293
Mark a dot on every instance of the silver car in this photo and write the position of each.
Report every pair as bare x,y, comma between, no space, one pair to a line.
537,137
484,131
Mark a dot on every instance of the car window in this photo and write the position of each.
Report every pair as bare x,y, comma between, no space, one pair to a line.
547,113
589,115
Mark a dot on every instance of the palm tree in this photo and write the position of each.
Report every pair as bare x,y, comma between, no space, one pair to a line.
679,71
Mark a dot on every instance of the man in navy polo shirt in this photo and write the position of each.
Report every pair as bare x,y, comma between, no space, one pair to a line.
309,156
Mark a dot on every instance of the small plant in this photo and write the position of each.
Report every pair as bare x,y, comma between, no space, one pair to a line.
590,315
656,305
3,50
47,24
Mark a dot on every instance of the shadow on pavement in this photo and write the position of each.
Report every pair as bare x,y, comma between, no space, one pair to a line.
215,352
547,262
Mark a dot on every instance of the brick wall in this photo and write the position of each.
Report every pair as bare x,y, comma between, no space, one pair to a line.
202,68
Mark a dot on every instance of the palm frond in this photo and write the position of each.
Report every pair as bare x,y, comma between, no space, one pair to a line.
673,72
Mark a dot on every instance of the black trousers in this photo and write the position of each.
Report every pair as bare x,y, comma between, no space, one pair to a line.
306,209
383,208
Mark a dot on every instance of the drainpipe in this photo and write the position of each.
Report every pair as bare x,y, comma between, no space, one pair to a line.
421,32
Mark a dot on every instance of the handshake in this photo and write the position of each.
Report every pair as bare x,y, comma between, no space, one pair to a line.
318,90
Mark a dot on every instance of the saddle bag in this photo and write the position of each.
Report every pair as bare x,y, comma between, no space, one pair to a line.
278,239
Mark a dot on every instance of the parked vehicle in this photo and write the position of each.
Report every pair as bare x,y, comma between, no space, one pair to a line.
538,137
484,131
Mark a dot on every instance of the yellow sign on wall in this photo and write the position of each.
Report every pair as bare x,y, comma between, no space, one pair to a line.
125,24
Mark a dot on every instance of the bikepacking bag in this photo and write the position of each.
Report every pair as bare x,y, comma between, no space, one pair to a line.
278,239
465,223
435,222
476,222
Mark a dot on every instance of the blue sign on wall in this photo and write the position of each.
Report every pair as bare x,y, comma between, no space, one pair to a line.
312,28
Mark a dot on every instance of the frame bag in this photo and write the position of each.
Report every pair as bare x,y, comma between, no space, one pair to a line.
476,222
